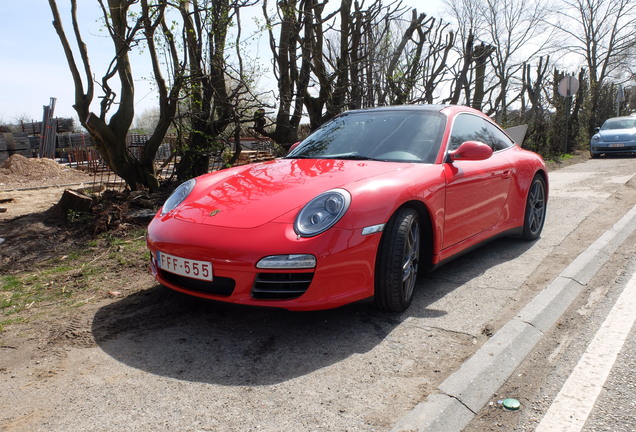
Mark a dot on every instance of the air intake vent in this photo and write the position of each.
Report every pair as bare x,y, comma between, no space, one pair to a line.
281,286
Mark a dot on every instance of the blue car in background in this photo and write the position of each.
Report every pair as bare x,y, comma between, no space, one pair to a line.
617,135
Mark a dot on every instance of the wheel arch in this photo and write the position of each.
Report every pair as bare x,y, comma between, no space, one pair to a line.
427,232
543,173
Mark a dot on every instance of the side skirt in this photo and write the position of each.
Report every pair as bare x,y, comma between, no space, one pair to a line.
514,232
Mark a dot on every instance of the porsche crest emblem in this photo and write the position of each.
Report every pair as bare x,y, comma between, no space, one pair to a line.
214,212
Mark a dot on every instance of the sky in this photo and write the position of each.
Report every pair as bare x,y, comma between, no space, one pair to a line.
32,64
33,68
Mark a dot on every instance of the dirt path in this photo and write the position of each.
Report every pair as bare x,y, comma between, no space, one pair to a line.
28,201
26,185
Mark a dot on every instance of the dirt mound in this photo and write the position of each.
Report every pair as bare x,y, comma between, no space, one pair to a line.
21,172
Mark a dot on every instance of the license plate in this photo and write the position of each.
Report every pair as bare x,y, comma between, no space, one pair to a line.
617,145
185,267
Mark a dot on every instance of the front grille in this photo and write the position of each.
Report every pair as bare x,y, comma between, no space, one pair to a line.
614,149
219,286
280,286
620,149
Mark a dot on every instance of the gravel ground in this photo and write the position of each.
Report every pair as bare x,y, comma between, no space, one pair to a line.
156,360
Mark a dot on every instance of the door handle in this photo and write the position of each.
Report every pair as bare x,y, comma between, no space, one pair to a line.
506,174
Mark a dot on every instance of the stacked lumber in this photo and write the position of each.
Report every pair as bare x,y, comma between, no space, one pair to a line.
4,155
252,156
14,143
74,140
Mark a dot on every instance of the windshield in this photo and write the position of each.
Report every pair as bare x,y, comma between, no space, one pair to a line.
396,136
619,123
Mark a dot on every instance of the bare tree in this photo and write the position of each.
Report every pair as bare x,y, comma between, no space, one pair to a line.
481,54
291,59
534,88
435,67
326,92
402,75
498,37
535,115
369,60
351,57
126,30
466,14
212,90
147,120
603,33
347,65
516,31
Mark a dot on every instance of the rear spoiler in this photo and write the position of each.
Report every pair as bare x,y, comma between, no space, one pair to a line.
517,133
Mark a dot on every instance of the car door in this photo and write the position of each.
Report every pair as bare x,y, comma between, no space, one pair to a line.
476,191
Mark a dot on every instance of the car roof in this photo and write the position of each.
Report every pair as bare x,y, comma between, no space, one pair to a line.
621,118
421,107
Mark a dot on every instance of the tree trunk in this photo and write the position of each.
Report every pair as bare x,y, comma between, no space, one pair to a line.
481,54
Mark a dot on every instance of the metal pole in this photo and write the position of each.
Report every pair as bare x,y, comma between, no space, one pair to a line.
620,97
568,101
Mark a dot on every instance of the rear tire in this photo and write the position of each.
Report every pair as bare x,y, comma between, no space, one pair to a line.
398,261
534,217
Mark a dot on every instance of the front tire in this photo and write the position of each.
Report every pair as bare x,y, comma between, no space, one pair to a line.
398,261
534,217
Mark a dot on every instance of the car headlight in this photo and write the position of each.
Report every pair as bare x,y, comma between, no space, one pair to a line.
177,197
322,212
596,138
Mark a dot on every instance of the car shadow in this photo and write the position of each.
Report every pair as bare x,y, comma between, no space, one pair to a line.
170,334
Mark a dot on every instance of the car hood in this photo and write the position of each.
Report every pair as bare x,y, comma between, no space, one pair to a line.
617,135
252,195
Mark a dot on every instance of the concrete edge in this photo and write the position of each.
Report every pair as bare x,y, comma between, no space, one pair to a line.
438,413
467,390
32,188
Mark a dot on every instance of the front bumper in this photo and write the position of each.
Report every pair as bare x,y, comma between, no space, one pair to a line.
598,148
344,272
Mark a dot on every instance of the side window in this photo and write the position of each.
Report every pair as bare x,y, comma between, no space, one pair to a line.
468,127
499,140
465,128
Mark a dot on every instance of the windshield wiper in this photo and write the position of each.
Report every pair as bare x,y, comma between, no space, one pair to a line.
300,157
351,156
344,156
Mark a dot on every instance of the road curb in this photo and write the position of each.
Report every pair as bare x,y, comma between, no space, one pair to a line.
467,390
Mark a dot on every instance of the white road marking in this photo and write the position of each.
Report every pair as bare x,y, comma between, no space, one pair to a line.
573,404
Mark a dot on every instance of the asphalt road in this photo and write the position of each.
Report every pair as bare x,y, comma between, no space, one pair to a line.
582,376
161,361
466,391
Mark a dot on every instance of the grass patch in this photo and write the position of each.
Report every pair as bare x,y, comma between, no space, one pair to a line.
83,274
9,321
561,158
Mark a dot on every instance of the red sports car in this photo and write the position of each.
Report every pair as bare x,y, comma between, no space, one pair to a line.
357,210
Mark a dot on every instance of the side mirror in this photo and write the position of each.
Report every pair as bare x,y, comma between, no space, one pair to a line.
471,150
597,129
291,149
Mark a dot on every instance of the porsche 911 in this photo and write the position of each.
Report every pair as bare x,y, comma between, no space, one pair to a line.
358,210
